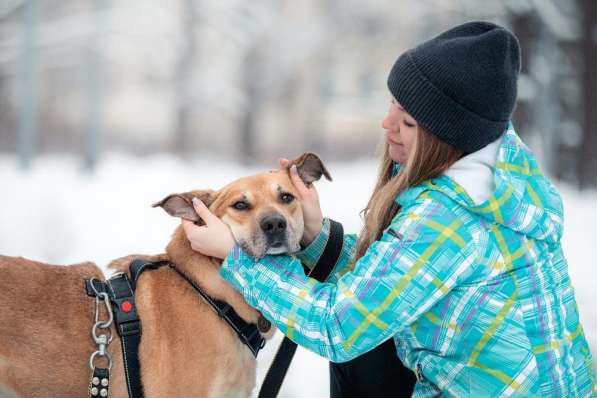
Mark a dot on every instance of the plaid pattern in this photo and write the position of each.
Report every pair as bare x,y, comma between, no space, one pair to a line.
477,297
310,255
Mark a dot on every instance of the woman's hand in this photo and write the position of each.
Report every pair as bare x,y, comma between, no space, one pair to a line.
214,238
309,202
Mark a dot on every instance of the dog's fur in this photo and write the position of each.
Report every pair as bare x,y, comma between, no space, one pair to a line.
185,350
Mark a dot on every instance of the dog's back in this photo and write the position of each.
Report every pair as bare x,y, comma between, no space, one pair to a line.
36,301
45,335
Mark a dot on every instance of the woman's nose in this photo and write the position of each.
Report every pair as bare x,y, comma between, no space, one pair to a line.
387,123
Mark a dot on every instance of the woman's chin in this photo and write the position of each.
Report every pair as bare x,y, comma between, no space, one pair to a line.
396,155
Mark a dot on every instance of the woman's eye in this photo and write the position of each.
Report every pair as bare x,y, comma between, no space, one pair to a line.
286,197
408,124
240,205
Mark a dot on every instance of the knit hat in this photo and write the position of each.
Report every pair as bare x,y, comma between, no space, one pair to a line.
460,85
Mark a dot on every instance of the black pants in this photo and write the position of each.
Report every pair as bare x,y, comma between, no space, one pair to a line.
378,373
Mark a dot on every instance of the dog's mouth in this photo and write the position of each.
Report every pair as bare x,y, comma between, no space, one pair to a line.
278,247
277,244
283,244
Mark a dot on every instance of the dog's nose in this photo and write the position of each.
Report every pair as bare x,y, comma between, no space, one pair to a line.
273,225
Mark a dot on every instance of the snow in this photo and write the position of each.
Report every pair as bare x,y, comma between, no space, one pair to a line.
58,213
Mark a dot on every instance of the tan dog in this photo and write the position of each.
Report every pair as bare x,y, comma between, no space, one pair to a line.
185,350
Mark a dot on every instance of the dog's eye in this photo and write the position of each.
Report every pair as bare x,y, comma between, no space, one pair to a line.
241,205
286,197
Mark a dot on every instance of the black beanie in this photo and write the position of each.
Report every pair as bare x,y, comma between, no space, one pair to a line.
461,85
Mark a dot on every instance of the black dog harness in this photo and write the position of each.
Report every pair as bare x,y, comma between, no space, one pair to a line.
121,292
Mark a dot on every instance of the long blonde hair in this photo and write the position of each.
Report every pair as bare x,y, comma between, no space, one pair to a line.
429,157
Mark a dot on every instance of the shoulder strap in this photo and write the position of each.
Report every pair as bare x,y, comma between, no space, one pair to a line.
137,267
127,321
128,326
122,297
277,370
248,333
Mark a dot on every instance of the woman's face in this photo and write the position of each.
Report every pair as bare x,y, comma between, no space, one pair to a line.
401,130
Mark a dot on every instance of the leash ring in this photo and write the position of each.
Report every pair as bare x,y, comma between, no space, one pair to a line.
96,354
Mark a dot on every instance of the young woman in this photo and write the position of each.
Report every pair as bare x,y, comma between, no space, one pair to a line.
459,262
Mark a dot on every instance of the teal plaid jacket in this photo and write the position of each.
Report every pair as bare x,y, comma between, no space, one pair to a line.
477,297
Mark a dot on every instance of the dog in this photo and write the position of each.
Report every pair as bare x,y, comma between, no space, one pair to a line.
186,350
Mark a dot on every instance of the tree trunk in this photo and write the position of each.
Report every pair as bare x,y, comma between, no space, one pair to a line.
27,138
184,78
94,86
587,162
253,92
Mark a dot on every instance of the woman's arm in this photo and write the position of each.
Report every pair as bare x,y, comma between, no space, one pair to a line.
416,262
311,254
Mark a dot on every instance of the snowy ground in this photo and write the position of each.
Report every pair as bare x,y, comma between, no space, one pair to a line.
58,214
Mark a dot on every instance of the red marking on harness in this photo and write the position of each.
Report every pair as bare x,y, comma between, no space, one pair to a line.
126,306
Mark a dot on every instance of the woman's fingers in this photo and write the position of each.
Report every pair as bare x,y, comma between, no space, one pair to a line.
203,212
190,229
283,162
295,177
297,181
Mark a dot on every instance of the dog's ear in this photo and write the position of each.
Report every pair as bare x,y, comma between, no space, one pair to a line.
181,204
310,168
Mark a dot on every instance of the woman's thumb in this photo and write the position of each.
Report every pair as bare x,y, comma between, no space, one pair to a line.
297,181
202,210
283,162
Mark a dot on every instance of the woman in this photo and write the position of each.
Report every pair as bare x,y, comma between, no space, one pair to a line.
459,260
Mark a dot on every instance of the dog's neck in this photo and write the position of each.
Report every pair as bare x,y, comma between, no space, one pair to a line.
204,271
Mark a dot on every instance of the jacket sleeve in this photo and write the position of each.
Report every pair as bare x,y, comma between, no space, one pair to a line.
417,261
312,252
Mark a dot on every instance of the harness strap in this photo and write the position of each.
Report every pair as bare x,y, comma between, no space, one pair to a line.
277,371
122,297
137,267
128,325
248,333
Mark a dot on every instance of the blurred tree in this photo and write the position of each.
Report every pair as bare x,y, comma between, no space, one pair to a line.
526,26
94,81
8,122
27,136
279,83
251,83
558,84
185,73
587,162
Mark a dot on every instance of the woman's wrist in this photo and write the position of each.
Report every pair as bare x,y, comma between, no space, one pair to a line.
311,232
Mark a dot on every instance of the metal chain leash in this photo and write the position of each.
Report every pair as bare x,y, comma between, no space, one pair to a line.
100,376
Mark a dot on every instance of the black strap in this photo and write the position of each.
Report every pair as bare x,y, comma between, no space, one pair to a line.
128,326
137,267
279,367
248,333
122,296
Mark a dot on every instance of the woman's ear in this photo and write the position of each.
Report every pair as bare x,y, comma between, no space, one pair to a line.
181,204
310,168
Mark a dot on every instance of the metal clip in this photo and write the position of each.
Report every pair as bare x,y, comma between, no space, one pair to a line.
100,338
104,339
107,323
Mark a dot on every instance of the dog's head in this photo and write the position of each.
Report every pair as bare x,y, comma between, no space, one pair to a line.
262,210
